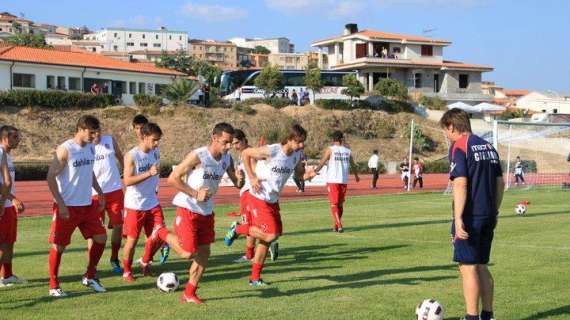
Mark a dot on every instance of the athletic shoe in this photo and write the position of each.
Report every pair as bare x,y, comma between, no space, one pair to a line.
145,268
258,283
11,280
94,284
242,259
274,250
57,292
231,235
164,252
340,230
128,277
116,265
190,299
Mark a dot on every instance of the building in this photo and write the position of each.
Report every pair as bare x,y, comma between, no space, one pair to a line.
274,45
49,69
415,61
289,61
9,23
544,102
220,53
127,40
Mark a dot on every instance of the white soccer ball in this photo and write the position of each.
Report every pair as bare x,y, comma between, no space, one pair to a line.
520,209
167,282
429,309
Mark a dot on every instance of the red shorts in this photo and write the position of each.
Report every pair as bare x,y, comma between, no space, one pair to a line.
9,226
266,216
193,229
86,218
244,208
137,220
337,193
114,205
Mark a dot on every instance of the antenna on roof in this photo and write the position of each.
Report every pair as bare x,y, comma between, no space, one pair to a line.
428,32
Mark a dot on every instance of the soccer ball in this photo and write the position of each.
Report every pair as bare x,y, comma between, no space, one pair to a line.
520,209
167,282
429,309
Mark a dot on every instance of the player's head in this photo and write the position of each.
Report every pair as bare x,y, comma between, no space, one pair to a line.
86,128
222,137
138,121
337,136
416,159
150,135
456,123
240,140
375,151
518,158
9,136
296,137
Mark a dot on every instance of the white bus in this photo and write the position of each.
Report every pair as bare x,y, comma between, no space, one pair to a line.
240,85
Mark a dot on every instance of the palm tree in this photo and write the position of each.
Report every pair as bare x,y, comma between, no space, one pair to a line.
180,91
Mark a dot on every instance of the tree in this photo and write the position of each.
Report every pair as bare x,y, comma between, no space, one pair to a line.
180,91
313,80
353,87
391,88
261,49
184,63
28,40
270,80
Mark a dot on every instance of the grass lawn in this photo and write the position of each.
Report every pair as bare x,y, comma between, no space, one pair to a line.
395,252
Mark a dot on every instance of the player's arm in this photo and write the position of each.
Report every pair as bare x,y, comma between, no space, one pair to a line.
459,175
56,167
6,182
302,173
129,176
177,177
499,193
238,181
354,168
118,154
324,158
250,156
100,195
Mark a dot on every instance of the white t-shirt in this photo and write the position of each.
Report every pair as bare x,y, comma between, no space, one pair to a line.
105,168
338,165
12,171
143,196
76,180
246,184
208,174
274,172
519,168
373,162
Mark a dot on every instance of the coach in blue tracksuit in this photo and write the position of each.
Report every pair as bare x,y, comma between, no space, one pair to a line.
478,185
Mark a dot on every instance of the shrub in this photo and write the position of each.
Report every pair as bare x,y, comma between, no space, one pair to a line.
391,88
31,171
362,167
511,114
54,99
275,102
180,91
243,108
433,103
144,100
337,104
394,106
436,166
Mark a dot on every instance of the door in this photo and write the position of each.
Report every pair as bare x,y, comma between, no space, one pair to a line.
436,83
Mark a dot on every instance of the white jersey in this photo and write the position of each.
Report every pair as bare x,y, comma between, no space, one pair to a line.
12,171
373,162
338,165
207,175
274,172
519,168
143,195
105,168
246,184
76,180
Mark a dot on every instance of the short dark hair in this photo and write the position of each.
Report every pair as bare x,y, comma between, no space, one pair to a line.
337,136
151,128
88,122
416,158
7,130
458,118
295,132
375,151
223,127
240,135
139,119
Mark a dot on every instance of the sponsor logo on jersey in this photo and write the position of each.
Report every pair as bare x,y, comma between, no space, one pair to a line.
144,168
281,170
83,162
212,176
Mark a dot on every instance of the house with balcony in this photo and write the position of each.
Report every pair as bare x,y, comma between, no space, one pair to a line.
220,53
415,61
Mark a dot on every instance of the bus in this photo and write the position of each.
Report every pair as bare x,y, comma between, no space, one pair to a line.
240,85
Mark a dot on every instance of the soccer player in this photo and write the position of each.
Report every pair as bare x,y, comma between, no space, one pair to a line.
70,179
267,180
10,206
478,185
519,173
373,166
418,173
197,179
339,161
107,154
405,172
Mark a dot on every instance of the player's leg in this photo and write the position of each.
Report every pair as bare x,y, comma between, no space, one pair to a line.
486,285
133,224
8,235
471,289
421,180
114,206
195,274
341,199
334,197
258,262
91,227
60,237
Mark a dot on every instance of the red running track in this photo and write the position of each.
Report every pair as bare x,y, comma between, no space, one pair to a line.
38,199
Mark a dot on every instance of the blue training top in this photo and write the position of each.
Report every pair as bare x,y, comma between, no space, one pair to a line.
477,160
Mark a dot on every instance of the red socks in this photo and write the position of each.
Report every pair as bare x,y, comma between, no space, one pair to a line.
249,252
94,256
256,271
162,233
7,268
127,265
115,246
335,210
53,262
242,229
190,290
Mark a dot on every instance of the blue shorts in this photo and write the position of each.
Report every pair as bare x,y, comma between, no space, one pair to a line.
476,249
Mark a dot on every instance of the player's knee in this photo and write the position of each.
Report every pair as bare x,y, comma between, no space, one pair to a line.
100,238
58,248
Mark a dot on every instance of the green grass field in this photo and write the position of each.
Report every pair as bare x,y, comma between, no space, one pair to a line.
395,252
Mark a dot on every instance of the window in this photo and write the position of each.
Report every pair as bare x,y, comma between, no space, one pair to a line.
143,36
156,45
115,48
132,88
463,81
417,80
144,44
158,88
156,36
94,49
170,37
427,50
180,38
74,83
50,82
142,87
396,50
130,35
23,80
115,35
130,44
61,83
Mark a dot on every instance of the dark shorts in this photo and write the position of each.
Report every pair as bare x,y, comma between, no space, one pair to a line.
476,249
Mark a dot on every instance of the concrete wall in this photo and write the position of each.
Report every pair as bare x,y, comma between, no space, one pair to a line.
538,102
414,52
155,40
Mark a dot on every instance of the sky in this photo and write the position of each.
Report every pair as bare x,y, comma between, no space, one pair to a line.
526,41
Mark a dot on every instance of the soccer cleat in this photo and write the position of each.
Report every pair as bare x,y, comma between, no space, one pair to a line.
116,265
274,250
242,259
128,277
258,283
94,284
164,252
231,235
145,268
190,299
340,230
11,280
57,293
